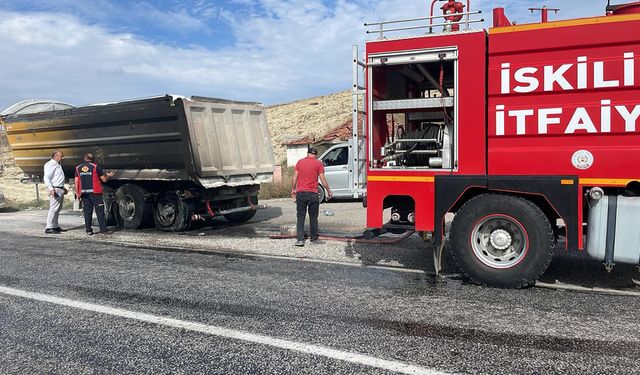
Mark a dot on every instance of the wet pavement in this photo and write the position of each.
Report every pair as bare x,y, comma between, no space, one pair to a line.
404,318
252,238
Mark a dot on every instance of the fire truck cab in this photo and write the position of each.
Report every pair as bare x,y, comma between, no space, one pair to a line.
527,133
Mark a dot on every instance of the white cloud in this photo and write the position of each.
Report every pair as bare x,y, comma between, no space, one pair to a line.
283,50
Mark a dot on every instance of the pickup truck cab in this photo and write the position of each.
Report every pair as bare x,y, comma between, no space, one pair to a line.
338,167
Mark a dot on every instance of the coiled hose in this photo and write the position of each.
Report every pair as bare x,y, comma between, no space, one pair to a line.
411,159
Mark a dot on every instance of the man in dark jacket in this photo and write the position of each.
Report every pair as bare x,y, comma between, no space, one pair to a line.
88,181
305,192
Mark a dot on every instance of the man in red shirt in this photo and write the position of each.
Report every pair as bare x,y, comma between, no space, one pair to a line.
304,191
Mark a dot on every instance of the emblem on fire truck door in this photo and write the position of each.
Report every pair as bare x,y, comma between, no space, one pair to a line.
582,159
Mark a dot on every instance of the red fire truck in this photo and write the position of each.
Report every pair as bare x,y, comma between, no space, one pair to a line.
527,133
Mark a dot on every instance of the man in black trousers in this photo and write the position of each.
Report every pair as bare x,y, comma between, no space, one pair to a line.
88,180
304,191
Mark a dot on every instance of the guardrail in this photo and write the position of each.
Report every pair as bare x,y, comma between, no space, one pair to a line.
427,25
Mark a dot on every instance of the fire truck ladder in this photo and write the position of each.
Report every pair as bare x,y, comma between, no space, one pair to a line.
357,145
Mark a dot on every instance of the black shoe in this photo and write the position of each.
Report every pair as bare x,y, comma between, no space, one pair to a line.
51,231
58,229
299,243
89,233
105,232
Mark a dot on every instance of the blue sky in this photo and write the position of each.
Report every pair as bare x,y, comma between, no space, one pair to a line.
273,51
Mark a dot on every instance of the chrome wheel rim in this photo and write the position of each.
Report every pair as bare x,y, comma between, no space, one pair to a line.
499,241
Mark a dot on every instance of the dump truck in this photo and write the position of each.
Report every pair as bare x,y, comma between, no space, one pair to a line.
528,134
176,160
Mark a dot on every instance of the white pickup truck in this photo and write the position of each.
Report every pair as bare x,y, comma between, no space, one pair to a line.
339,167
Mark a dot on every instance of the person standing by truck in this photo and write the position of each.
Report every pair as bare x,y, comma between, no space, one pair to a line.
304,191
54,180
88,185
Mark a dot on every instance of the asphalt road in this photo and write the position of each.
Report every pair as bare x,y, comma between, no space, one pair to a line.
81,306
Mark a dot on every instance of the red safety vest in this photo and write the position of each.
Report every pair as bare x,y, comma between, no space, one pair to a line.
87,179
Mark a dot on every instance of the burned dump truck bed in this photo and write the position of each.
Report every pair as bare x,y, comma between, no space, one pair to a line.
205,141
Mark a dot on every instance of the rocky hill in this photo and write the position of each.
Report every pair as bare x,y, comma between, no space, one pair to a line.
310,117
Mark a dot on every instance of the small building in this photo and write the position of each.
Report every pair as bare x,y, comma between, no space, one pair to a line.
297,147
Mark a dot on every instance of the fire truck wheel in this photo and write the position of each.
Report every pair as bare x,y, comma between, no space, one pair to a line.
172,214
241,217
501,241
133,209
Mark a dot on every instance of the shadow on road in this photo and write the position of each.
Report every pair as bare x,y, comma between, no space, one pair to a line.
583,271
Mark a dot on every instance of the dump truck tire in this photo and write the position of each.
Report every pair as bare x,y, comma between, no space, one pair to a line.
501,241
133,209
172,214
110,206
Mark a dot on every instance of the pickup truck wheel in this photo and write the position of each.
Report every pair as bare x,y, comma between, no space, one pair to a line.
322,194
171,214
501,241
133,209
242,217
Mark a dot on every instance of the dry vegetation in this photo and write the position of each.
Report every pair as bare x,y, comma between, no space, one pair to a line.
280,189
315,117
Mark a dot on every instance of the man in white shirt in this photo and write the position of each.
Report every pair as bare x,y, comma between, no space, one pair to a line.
54,179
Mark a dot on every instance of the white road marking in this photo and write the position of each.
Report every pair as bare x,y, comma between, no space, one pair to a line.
594,290
361,359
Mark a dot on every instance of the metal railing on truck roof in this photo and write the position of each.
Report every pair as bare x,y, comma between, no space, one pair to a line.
447,25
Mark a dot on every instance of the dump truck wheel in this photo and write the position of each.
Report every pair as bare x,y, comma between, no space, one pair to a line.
110,208
241,217
171,214
110,213
133,209
501,241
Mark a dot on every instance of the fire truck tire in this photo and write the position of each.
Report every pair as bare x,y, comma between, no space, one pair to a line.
133,209
172,214
501,241
242,217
